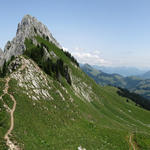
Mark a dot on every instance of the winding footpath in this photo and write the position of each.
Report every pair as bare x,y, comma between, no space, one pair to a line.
9,143
131,142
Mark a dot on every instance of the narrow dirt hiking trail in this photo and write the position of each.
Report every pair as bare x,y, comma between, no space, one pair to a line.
9,143
133,147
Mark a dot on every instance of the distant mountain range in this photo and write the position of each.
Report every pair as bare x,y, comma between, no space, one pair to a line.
124,71
146,75
133,83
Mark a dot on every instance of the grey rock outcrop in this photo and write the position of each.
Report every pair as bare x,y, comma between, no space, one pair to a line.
46,54
14,65
52,54
1,55
28,28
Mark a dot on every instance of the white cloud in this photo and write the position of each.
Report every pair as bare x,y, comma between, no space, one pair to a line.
92,58
65,49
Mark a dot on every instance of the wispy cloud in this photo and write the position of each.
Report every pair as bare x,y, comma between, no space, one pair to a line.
90,57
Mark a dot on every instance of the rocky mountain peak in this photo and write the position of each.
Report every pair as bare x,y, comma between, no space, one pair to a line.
29,27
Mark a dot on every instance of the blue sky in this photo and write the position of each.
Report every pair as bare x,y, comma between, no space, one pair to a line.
101,32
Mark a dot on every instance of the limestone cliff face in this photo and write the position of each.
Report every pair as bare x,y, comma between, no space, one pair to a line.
27,28
1,53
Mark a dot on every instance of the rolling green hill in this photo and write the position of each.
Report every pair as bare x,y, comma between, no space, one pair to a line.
132,83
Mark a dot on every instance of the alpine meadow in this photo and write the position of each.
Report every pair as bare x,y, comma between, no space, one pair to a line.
48,103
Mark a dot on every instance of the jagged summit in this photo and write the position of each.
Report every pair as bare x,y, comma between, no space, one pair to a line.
29,27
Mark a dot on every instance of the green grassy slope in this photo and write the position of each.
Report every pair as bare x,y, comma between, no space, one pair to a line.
132,83
4,118
68,116
104,78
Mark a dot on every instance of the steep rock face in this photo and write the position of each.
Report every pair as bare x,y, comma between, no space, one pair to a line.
1,53
28,28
